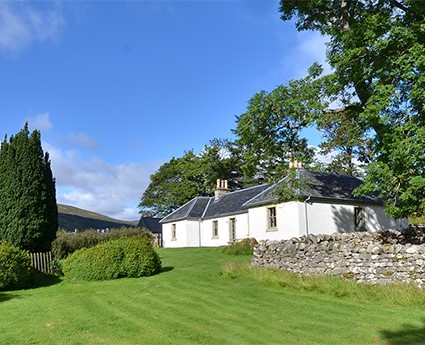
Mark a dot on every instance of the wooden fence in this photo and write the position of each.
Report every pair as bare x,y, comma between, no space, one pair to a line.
42,262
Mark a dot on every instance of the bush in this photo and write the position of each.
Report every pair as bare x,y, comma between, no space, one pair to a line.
15,267
244,247
67,243
127,257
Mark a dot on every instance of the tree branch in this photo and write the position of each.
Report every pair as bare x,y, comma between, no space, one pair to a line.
345,4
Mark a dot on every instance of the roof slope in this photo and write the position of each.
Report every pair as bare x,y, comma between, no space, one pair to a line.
331,187
150,223
192,209
319,185
232,203
209,207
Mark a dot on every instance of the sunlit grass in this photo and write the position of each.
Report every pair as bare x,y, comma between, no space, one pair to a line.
206,297
406,295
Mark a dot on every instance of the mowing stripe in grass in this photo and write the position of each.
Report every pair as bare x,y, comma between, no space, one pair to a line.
197,302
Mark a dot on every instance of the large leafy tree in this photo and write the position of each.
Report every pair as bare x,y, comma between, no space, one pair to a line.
28,209
377,51
371,108
345,139
181,179
269,133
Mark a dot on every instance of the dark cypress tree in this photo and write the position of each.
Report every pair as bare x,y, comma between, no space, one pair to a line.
28,209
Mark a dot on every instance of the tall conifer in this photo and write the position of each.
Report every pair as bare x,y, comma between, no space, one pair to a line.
28,209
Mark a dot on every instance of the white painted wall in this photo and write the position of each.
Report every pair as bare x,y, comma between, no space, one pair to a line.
287,217
322,219
223,238
329,218
187,234
377,220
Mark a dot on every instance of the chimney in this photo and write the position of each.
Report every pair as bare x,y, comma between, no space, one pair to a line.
294,164
221,188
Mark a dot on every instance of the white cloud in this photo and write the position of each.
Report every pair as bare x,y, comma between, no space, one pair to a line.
95,185
40,122
310,48
82,140
22,24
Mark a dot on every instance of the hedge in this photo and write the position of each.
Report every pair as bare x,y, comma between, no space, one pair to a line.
15,267
127,257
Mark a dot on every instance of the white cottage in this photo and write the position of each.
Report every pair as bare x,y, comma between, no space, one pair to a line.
327,206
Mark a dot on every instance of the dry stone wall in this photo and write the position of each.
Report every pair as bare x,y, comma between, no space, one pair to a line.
391,256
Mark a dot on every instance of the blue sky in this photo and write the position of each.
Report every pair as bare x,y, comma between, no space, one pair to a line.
118,88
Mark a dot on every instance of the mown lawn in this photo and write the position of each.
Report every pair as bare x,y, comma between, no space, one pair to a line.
201,297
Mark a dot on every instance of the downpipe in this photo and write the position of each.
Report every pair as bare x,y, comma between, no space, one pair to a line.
306,214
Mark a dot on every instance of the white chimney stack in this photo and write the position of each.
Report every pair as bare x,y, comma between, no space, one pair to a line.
221,189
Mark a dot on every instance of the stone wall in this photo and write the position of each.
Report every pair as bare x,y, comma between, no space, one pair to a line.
376,258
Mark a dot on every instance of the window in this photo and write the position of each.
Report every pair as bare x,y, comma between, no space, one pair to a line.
173,232
232,229
215,229
271,218
359,221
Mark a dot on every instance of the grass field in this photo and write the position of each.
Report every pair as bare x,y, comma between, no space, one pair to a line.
206,297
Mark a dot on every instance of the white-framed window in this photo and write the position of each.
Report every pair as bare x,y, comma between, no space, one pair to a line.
215,229
271,218
232,229
359,219
173,232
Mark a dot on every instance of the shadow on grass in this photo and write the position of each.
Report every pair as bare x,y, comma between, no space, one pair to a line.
38,280
407,335
43,279
6,296
166,269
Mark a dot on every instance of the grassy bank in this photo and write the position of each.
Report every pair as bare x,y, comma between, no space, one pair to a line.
206,297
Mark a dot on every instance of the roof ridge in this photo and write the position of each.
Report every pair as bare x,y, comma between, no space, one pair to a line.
206,207
265,190
331,174
248,188
167,216
194,200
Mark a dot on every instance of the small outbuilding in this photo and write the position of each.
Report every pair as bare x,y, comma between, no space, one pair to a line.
153,225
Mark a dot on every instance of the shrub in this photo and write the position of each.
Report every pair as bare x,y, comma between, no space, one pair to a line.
126,257
15,267
243,247
67,243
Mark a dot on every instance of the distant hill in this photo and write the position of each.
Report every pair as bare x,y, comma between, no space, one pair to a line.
71,218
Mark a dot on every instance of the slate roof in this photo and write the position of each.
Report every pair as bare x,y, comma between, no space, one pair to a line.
192,209
208,207
232,203
151,224
319,186
334,186
331,187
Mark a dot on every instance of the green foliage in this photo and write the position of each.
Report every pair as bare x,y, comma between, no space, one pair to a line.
28,209
181,179
243,247
377,52
126,257
15,267
269,132
288,191
67,243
